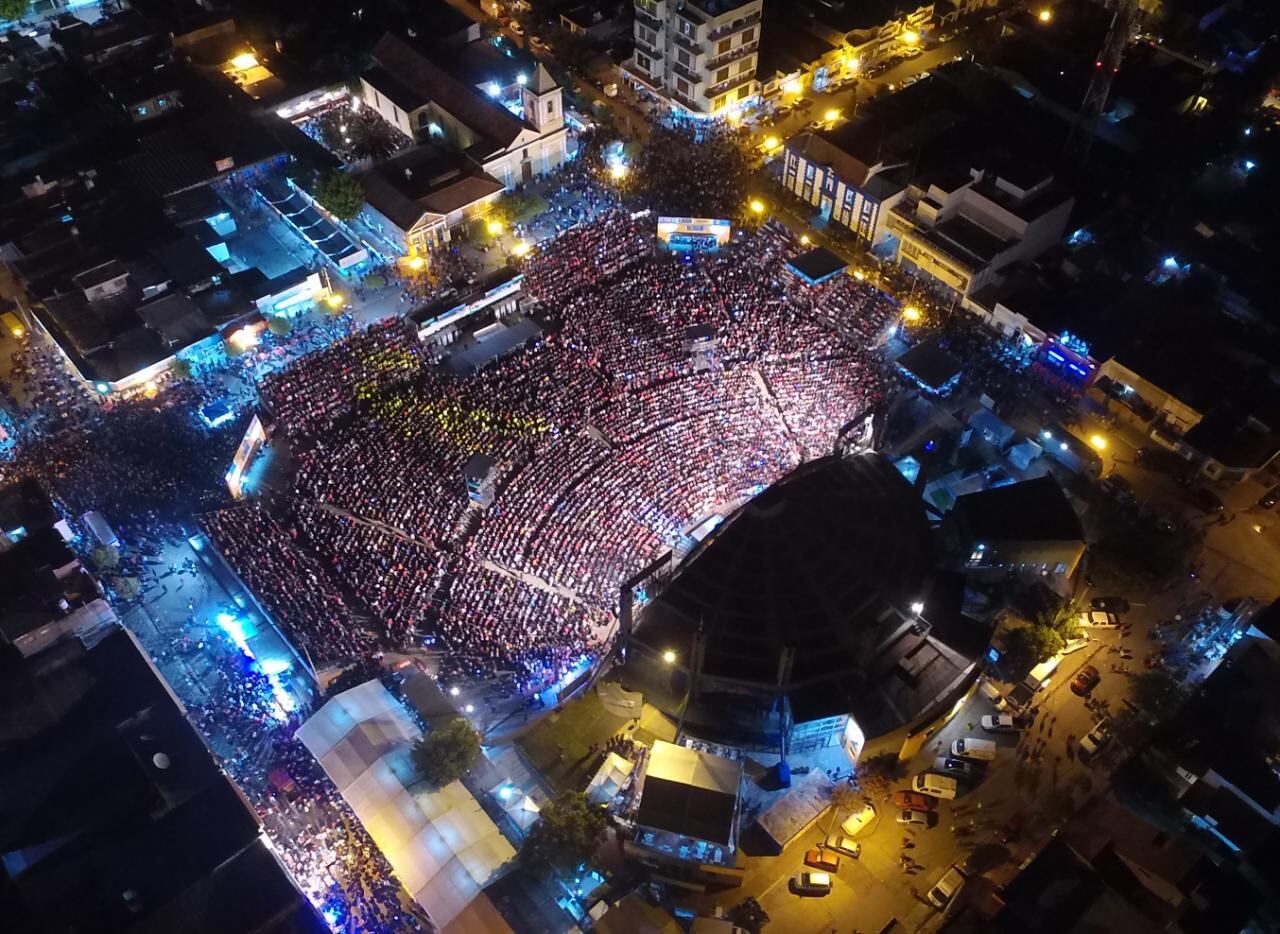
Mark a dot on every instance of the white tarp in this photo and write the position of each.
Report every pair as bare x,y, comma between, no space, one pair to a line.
441,844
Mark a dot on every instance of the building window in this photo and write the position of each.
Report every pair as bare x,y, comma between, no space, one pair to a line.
551,107
742,92
643,62
682,86
682,57
525,157
744,66
722,75
748,36
724,46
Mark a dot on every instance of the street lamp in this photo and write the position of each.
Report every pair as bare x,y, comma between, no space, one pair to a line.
771,143
757,206
416,263
454,691
911,37
793,86
911,314
1097,442
470,708
832,115
804,240
494,227
520,249
669,656
1045,15
617,171
917,608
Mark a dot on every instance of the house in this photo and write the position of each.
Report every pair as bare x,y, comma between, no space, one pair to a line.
429,104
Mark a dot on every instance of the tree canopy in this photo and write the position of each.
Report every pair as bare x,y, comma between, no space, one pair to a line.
12,10
447,753
568,832
340,194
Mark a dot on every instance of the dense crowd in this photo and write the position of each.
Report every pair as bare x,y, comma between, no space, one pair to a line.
610,442
693,168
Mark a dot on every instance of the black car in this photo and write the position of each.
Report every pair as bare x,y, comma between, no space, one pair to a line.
1269,498
1110,604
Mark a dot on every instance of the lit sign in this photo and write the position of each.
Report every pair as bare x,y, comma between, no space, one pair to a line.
245,453
684,228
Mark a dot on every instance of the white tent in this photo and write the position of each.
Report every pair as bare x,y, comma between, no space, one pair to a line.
524,811
609,778
441,844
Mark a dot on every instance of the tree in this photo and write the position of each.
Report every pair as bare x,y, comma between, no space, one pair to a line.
447,753
844,797
127,587
181,369
568,832
875,776
105,557
279,326
749,916
340,194
13,10
1154,697
1031,644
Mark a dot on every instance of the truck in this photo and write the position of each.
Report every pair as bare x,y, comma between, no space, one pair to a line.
97,525
983,750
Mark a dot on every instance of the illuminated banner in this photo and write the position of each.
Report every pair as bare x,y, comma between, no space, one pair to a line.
687,229
245,454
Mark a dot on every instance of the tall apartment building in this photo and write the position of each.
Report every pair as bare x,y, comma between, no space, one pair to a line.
701,55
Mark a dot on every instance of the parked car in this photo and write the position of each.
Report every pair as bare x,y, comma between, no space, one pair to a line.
858,820
540,46
516,29
1086,679
918,818
914,800
989,691
843,845
1000,723
820,858
1095,739
958,767
1269,498
1110,604
1099,619
811,883
950,883
1207,500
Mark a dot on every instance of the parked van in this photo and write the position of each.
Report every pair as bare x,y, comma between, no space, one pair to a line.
947,887
983,750
931,783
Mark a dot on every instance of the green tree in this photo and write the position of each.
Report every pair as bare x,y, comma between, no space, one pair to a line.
340,194
279,326
1154,697
181,369
1031,644
844,798
105,557
447,753
13,10
127,587
568,832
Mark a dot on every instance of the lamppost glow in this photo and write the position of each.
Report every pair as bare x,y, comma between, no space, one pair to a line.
334,300
416,263
617,171
911,37
804,240
1097,442
454,691
244,61
793,86
520,249
832,115
494,227
669,656
1045,15
917,608
757,206
771,143
911,314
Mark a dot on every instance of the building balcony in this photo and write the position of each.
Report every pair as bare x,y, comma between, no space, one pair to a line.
728,29
689,45
688,74
644,19
655,54
732,55
689,103
725,86
650,8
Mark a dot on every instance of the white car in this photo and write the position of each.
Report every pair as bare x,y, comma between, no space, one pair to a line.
1097,619
999,723
843,845
858,820
1095,739
812,883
